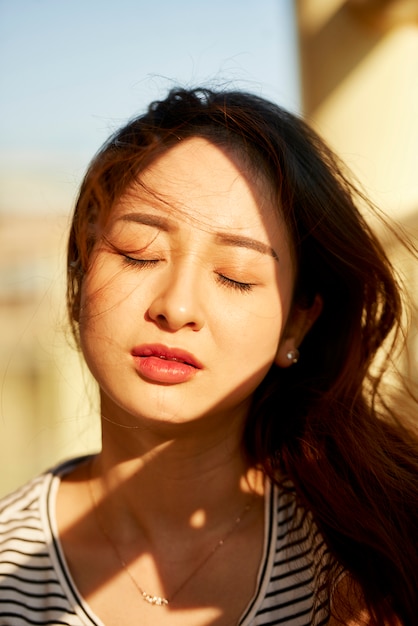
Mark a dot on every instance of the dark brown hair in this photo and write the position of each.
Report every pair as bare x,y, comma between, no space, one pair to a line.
320,423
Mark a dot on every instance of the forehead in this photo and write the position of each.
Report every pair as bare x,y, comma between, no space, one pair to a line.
201,182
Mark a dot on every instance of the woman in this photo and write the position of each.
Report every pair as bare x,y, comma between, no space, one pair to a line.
229,299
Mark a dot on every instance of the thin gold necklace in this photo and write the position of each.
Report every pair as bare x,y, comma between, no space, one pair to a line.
148,597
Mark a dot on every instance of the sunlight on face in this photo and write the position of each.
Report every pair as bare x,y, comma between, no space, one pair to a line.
188,290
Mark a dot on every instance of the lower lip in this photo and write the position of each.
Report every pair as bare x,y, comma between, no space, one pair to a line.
163,370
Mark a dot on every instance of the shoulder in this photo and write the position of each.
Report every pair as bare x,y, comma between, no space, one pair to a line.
24,557
298,533
27,499
296,563
26,518
317,585
21,510
22,505
24,522
32,588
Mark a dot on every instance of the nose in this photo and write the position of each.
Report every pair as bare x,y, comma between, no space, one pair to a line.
177,303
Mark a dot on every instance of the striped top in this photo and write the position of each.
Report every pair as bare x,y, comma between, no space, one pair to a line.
36,586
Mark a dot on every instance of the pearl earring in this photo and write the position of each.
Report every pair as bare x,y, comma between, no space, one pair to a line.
293,355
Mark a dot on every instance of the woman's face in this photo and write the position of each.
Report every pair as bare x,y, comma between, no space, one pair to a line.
188,291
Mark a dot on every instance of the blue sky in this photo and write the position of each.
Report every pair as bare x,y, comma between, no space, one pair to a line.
71,71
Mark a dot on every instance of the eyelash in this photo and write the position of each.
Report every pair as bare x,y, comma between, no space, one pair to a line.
223,280
234,284
139,263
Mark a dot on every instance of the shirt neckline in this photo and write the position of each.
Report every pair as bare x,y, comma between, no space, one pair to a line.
267,560
82,608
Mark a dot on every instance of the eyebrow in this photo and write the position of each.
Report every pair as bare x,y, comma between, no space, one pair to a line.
158,221
226,239
246,242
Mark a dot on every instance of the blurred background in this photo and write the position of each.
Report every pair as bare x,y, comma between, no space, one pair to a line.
72,72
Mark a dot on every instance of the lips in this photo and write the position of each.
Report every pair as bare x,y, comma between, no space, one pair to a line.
165,365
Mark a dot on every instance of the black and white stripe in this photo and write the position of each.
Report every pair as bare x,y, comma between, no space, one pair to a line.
36,586
294,564
30,592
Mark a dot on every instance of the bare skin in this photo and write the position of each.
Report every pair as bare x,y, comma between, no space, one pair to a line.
165,541
213,278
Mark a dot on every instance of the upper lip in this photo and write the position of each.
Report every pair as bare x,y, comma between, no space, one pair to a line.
163,352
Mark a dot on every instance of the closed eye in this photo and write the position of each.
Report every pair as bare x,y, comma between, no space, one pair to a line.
234,284
223,280
139,263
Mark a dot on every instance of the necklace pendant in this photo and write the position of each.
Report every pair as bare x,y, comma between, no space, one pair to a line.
155,600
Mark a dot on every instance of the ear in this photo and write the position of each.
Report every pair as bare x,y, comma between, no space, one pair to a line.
300,321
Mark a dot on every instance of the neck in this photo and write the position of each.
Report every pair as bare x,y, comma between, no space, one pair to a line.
158,482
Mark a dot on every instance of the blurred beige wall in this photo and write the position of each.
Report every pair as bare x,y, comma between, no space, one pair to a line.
359,73
48,409
360,90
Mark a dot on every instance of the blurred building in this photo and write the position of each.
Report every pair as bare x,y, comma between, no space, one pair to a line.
359,63
47,408
359,68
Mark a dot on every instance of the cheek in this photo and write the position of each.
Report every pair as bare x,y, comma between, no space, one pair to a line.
253,334
99,312
103,291
99,331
